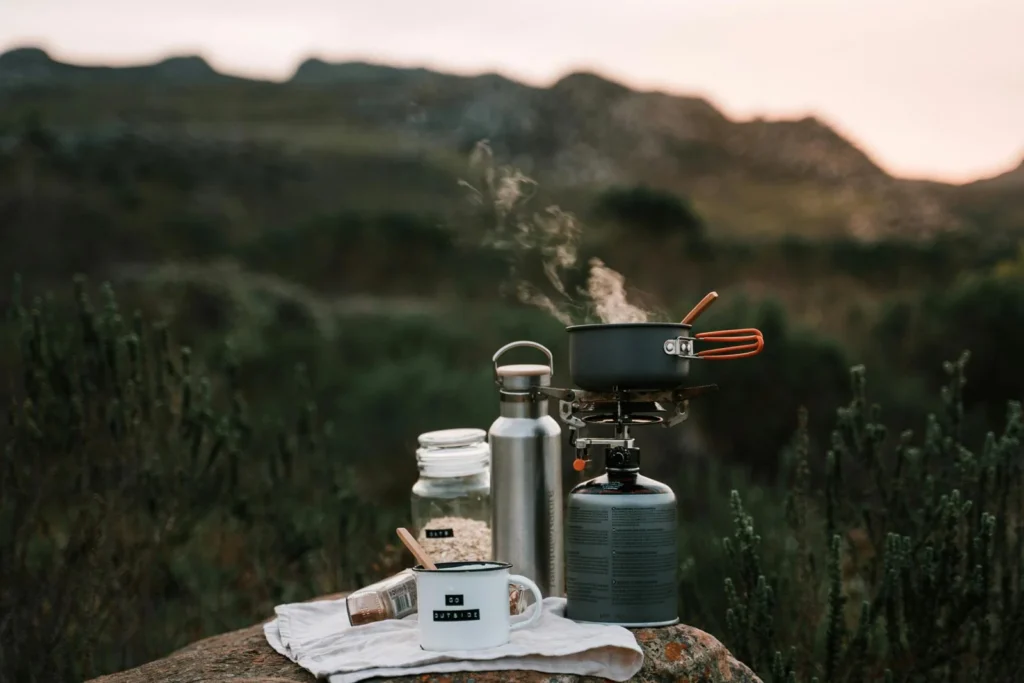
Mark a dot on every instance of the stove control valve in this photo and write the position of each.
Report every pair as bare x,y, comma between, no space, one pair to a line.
617,457
622,457
579,464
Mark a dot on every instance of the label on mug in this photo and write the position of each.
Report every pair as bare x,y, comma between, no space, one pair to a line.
457,614
439,533
466,606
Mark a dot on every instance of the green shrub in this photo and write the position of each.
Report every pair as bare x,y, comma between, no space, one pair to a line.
387,252
753,415
656,212
187,492
979,312
903,563
144,507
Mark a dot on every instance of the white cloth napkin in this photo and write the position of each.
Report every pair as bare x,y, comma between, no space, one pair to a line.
318,637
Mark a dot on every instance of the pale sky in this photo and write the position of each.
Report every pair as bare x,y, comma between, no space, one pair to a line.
929,88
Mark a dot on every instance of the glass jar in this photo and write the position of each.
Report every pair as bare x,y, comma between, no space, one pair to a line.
391,598
451,501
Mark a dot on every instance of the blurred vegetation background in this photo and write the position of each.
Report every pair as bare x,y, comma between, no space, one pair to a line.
281,287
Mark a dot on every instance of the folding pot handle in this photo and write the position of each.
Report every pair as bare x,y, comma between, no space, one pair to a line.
744,342
533,345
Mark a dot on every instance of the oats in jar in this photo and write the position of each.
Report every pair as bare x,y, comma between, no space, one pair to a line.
456,539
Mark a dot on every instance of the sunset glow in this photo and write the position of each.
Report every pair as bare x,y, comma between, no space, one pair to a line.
929,88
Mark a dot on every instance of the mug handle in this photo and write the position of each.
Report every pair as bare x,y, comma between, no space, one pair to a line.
537,597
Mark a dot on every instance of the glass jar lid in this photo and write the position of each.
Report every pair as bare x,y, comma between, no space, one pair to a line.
453,453
450,438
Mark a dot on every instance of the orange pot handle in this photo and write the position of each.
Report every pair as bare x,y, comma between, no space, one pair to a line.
744,342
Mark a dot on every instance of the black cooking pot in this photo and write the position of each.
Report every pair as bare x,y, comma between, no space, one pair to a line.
647,356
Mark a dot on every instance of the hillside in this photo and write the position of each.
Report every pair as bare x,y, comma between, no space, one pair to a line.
34,67
997,202
748,179
1012,179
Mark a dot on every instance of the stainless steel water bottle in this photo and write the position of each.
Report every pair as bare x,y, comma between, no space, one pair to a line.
526,474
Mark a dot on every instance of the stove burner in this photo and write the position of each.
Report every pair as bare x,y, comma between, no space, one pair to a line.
619,409
629,419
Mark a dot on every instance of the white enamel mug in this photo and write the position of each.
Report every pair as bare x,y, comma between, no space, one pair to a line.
465,605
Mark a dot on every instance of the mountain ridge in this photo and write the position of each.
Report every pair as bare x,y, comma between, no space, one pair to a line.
1011,178
35,66
193,68
584,130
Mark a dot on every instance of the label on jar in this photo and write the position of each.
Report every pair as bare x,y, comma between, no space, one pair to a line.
439,533
403,599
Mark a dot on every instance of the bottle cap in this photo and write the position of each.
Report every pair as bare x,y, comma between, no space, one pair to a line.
523,377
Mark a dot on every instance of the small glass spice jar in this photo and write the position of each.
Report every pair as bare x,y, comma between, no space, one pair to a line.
390,598
451,501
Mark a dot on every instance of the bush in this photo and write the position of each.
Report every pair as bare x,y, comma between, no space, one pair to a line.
383,252
797,367
656,212
144,507
151,495
902,563
979,312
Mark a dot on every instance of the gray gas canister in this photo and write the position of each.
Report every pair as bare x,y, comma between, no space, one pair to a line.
621,553
526,474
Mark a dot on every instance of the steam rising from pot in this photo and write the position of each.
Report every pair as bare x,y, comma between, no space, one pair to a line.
542,248
607,290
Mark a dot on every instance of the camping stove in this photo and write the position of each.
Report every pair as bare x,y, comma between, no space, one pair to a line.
621,560
621,556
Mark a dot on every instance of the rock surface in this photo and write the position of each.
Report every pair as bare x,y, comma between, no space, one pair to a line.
677,653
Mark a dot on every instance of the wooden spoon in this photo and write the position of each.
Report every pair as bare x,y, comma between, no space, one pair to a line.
415,548
700,308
